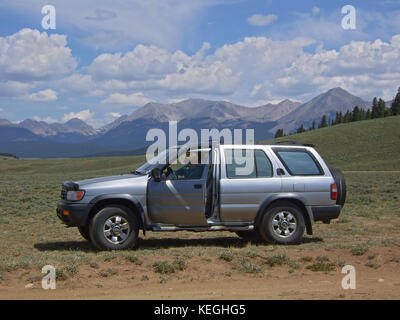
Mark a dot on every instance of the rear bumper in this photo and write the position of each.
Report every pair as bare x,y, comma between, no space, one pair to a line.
73,214
325,213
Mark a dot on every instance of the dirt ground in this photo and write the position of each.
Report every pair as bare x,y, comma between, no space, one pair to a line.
377,277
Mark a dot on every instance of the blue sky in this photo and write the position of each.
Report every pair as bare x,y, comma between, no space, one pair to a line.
107,58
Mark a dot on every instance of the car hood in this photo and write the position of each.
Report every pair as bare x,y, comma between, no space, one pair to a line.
120,179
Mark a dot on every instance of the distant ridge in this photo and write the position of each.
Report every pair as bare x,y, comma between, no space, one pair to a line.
127,134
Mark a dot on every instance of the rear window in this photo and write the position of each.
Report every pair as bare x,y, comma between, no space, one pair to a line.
299,162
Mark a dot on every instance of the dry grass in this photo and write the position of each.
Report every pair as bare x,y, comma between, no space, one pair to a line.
32,235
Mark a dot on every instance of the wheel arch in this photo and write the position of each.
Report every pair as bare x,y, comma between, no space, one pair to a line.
270,202
119,199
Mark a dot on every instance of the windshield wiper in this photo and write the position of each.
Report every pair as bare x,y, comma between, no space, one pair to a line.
137,172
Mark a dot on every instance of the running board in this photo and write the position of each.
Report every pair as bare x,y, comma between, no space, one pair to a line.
205,228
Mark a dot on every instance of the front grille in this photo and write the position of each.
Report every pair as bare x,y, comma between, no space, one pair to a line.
63,194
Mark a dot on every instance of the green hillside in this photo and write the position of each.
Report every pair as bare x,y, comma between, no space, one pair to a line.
371,145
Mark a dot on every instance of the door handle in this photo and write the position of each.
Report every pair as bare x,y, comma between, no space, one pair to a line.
197,186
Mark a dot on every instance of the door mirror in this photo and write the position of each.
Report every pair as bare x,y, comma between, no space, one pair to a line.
156,174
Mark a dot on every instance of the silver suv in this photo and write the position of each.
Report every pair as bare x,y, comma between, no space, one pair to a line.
267,193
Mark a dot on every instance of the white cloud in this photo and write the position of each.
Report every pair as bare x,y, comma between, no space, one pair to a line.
83,115
136,21
136,99
315,10
14,88
46,119
1,109
254,69
46,95
113,114
144,62
76,84
31,55
261,20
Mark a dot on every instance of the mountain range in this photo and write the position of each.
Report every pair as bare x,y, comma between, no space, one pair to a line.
75,138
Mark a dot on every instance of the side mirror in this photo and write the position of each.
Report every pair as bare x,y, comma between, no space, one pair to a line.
156,174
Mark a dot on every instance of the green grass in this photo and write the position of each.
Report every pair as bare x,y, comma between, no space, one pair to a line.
371,145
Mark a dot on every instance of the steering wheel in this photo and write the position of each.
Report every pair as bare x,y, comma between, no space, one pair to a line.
170,174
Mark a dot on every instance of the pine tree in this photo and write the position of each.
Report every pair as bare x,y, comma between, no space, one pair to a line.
396,104
356,114
341,117
301,129
362,114
368,115
336,121
324,122
347,117
375,111
381,108
279,133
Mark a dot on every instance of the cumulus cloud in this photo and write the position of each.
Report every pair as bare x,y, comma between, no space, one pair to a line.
143,62
135,99
31,55
46,119
43,96
250,71
83,115
261,20
14,88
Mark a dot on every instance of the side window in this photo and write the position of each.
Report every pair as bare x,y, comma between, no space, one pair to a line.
240,163
191,168
247,163
299,162
263,165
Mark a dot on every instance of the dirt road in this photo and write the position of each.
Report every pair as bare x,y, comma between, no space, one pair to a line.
377,277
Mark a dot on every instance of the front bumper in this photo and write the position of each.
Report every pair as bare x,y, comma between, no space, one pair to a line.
73,214
325,213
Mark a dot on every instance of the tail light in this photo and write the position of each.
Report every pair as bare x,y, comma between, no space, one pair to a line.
334,192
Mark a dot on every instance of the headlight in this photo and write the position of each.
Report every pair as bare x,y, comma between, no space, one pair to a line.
75,195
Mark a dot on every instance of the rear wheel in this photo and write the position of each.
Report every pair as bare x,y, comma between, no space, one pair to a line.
114,227
283,224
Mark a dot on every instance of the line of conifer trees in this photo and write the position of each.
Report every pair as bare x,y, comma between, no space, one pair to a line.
378,110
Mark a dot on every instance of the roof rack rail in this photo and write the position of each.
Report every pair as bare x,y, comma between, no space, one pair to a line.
294,143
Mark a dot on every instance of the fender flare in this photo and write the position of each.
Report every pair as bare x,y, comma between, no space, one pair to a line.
123,196
286,197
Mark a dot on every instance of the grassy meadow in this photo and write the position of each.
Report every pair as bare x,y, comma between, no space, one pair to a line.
31,235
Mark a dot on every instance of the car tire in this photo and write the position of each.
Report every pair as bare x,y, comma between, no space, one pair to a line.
84,231
341,185
283,223
114,227
250,235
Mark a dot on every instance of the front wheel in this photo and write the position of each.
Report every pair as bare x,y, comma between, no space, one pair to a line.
114,228
283,224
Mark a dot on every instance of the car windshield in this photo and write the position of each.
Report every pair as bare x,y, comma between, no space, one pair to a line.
162,159
158,160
